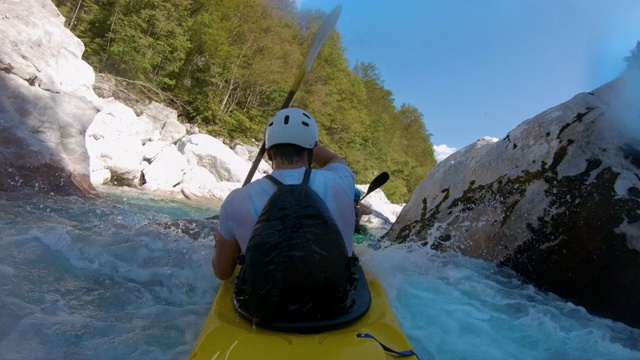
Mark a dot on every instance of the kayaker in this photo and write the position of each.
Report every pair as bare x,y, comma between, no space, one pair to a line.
360,209
255,232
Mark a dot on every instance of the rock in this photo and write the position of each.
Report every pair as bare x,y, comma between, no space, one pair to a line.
47,101
205,188
104,86
557,200
166,170
116,120
123,158
100,173
165,122
151,149
114,141
198,182
191,129
242,151
212,154
172,131
249,153
37,48
384,212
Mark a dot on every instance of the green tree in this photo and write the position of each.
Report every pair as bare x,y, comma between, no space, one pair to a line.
148,40
230,64
383,134
633,59
335,95
90,20
240,60
139,40
398,141
414,136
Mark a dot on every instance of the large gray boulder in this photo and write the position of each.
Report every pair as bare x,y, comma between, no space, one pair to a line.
46,101
557,200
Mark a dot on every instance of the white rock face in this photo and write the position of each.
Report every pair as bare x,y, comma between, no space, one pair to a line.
164,122
38,48
384,212
151,149
46,100
166,170
114,142
198,182
172,131
123,157
212,154
249,153
242,151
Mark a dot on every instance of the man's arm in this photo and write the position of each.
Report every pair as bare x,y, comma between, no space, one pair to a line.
323,157
365,209
225,256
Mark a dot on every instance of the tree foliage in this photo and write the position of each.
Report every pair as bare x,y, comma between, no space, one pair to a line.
633,59
230,65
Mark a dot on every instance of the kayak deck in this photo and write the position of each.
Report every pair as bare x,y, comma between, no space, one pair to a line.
225,335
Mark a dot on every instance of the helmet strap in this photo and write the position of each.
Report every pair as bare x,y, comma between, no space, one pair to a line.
310,157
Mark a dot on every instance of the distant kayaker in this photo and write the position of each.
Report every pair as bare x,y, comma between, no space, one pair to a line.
295,245
361,209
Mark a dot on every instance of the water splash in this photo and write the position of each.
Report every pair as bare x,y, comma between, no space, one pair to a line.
453,307
82,279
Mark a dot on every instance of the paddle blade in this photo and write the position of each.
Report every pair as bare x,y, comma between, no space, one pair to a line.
377,182
327,26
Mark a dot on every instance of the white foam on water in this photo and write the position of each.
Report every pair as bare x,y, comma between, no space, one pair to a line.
90,280
80,280
452,307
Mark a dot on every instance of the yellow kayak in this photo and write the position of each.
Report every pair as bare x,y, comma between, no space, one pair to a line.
375,335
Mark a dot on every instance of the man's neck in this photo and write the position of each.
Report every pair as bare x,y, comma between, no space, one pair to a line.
284,166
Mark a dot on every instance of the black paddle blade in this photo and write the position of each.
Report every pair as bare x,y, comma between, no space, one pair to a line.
377,182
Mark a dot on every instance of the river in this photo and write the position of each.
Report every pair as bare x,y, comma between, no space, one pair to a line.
84,279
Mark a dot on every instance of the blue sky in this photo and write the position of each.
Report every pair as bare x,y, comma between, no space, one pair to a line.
479,68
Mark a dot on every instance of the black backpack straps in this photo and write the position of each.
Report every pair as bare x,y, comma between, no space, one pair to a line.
274,180
307,175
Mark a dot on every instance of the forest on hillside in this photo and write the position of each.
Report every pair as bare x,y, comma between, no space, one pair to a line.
227,67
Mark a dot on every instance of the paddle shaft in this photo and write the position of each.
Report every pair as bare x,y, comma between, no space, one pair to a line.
328,23
256,161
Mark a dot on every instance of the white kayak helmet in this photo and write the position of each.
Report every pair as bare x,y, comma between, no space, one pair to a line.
292,126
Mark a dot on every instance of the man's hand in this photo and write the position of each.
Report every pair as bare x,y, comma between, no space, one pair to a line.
323,156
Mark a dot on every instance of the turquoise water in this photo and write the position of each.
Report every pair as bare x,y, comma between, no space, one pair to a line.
86,279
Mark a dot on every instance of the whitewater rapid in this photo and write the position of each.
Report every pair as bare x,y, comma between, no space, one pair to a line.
98,279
